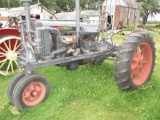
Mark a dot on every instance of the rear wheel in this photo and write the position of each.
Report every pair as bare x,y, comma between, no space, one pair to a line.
30,91
9,46
135,61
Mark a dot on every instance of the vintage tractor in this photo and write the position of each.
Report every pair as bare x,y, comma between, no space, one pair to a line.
76,44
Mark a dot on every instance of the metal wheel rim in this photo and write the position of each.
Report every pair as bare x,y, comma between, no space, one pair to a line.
33,93
141,64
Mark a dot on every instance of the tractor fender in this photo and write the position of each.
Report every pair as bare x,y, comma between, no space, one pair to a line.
9,32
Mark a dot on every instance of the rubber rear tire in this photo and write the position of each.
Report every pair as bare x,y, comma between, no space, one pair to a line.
135,61
30,91
12,84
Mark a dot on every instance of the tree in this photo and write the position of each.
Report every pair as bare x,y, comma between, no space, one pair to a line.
149,7
68,5
9,3
56,5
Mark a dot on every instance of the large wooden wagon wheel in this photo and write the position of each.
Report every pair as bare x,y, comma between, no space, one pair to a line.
9,46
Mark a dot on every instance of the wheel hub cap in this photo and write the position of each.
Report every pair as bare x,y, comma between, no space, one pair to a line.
11,55
33,93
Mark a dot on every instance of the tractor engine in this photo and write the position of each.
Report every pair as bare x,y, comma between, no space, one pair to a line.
87,44
50,45
59,43
71,39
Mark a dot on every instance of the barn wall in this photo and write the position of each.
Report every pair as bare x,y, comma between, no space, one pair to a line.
47,15
127,13
44,14
36,9
3,16
117,16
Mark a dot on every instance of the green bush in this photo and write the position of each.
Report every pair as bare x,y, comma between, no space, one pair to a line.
128,28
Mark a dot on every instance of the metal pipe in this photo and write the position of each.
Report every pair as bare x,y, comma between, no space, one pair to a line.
57,32
77,22
63,49
44,23
113,23
26,4
22,31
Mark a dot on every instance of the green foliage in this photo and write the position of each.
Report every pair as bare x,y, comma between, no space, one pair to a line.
153,22
56,5
9,3
68,5
157,30
128,28
149,7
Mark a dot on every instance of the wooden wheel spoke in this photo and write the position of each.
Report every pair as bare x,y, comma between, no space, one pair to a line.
3,49
3,63
2,53
16,62
3,60
9,44
15,44
6,46
17,47
12,66
8,66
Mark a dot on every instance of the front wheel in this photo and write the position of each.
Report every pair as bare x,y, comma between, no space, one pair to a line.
12,84
30,91
135,61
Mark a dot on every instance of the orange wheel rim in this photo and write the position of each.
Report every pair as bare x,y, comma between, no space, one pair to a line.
141,64
33,93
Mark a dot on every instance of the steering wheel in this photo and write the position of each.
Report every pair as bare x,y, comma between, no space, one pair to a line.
105,25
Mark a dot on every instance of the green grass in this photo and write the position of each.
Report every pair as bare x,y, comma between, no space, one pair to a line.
89,93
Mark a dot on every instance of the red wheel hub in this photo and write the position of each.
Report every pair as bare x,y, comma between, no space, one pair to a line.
33,93
141,64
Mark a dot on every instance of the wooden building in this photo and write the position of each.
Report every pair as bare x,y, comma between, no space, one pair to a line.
122,12
3,16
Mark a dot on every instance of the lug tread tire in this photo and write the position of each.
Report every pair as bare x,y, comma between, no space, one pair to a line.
124,58
12,84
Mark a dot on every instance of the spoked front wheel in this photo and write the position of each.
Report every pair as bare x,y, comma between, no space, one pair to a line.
9,46
135,61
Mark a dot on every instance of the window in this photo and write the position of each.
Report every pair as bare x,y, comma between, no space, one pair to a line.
51,17
23,17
